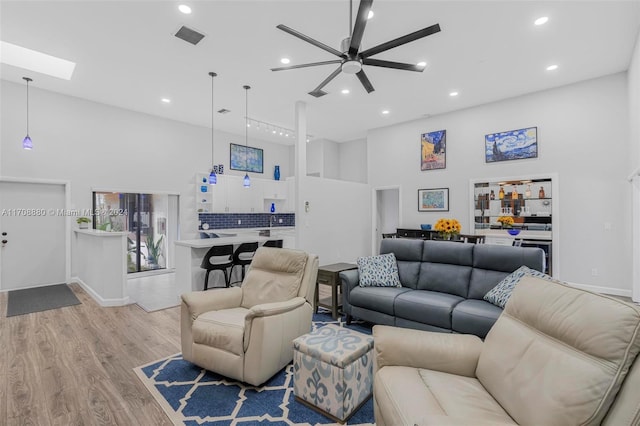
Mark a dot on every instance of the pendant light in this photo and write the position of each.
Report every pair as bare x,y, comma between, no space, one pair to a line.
213,179
247,181
26,142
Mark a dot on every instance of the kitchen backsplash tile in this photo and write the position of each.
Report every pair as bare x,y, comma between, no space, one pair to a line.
247,220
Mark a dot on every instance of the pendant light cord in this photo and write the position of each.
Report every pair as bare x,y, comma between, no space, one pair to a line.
246,126
27,79
350,18
212,74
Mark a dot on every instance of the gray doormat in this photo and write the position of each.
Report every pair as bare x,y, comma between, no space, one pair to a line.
39,299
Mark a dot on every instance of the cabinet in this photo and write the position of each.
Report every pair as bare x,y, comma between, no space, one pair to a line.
229,195
532,202
521,200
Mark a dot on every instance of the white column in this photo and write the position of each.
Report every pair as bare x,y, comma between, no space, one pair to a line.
300,168
636,238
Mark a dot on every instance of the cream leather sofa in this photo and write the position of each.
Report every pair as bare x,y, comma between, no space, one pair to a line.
246,333
556,356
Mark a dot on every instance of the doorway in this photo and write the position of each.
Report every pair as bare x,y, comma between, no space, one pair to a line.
35,240
151,221
386,212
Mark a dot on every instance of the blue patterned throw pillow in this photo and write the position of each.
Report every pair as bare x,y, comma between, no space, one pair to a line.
500,294
379,271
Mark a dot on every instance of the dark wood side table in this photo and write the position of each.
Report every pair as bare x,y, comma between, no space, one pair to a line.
330,275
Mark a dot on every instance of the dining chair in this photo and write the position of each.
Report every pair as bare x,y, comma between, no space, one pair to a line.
218,258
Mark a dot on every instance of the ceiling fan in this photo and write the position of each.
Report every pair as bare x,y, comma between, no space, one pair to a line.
351,57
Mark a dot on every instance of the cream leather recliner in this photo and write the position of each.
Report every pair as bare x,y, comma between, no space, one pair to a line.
556,356
246,333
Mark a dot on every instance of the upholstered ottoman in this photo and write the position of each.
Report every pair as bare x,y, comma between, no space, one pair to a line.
332,370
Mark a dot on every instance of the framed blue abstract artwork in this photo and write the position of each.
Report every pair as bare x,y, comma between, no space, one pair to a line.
246,159
433,200
511,145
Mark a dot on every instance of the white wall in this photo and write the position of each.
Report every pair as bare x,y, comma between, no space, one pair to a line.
633,78
337,226
583,131
95,145
331,159
353,160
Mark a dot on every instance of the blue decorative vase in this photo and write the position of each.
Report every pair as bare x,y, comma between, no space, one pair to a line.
513,231
276,173
273,207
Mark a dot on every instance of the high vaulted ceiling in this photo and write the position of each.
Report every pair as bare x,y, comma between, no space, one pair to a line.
127,56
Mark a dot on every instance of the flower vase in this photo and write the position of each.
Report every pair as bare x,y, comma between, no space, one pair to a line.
276,173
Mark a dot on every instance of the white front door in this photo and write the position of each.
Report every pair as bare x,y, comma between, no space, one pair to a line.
33,249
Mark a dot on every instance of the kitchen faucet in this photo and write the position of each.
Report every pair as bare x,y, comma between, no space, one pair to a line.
272,220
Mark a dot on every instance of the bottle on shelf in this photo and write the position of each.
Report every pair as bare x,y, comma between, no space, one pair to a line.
273,207
501,193
541,192
492,196
527,193
514,193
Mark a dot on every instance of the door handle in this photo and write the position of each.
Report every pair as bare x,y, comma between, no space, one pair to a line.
4,241
4,234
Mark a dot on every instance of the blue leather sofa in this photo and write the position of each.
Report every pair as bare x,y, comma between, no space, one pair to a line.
443,283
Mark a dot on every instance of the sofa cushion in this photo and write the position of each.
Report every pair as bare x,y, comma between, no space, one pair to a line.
275,275
446,267
474,317
500,294
444,277
380,299
380,271
221,329
429,307
492,263
408,254
557,354
412,396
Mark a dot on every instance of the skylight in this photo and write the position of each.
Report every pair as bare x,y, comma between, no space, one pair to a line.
33,60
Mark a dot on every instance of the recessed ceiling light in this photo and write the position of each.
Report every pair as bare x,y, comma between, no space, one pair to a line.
541,21
552,67
33,60
422,64
385,112
166,100
184,9
285,61
345,91
370,15
453,94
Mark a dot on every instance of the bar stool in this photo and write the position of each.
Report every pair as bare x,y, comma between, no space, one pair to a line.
243,256
273,243
218,258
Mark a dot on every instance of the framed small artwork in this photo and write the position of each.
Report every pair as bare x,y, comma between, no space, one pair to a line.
246,159
511,145
434,150
433,200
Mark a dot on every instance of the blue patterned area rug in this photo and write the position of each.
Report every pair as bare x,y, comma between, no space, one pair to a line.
193,396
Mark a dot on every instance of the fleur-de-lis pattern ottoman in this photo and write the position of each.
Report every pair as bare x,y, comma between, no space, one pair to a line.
332,370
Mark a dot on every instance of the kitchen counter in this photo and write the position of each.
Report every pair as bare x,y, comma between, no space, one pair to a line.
101,260
189,255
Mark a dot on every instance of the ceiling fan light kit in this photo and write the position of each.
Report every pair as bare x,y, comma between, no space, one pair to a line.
352,58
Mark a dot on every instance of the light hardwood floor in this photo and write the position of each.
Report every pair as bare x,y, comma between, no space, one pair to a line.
73,366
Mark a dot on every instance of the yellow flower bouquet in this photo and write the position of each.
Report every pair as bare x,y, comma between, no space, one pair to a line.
447,227
506,221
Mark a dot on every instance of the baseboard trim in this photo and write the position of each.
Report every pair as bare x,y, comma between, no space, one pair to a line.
101,301
603,290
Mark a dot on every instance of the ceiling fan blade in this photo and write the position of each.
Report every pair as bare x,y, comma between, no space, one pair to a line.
317,92
358,28
310,40
401,40
313,64
365,81
390,64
